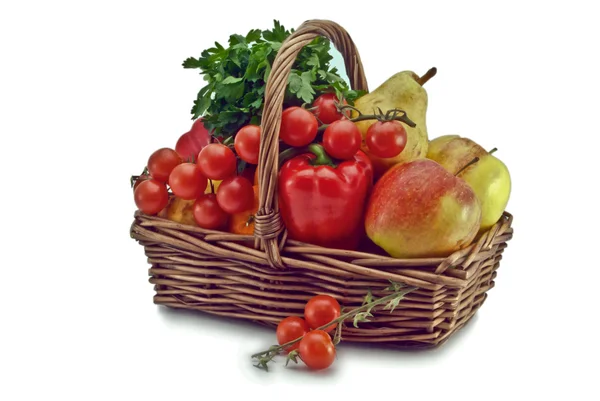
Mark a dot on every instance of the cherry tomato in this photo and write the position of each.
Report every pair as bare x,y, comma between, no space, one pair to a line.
235,195
162,162
191,143
317,350
151,196
289,329
320,310
140,178
342,139
326,109
217,161
386,139
208,214
247,143
187,182
298,126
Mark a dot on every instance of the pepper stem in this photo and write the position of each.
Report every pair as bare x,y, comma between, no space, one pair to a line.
323,158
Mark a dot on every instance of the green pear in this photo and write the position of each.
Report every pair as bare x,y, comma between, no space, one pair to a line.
486,174
403,91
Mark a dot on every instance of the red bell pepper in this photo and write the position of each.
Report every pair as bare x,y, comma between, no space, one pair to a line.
322,203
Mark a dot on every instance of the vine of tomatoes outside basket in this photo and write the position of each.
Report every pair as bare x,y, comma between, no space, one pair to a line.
315,348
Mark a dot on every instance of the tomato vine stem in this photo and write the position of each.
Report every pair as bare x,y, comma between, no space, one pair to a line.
379,115
360,314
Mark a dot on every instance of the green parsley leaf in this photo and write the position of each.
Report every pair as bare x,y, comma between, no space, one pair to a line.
235,78
306,91
231,80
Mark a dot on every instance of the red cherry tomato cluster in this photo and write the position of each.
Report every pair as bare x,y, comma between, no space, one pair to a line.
197,158
187,170
299,127
316,348
342,138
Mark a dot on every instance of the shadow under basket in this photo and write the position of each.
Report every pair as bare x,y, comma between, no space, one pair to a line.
267,277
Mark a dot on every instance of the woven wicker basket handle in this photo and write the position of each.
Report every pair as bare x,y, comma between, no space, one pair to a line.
268,224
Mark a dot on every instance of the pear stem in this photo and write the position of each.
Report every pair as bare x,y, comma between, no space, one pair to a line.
492,151
475,160
428,75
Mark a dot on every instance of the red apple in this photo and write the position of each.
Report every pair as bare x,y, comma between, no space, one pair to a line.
418,209
191,143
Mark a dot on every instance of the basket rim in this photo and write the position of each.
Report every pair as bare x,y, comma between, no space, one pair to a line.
446,272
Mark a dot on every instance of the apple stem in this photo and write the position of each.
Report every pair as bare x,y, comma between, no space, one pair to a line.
475,160
428,75
492,151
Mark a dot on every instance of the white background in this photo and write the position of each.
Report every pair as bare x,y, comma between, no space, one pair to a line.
89,89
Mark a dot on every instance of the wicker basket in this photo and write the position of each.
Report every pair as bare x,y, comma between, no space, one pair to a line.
224,274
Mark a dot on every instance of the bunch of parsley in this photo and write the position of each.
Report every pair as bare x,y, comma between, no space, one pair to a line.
236,78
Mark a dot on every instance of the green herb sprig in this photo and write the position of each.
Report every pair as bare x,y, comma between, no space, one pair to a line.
236,78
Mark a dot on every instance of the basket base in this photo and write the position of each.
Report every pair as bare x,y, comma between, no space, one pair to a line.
197,270
439,337
402,346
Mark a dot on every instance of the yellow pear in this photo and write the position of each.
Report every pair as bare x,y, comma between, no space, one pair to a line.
487,175
403,91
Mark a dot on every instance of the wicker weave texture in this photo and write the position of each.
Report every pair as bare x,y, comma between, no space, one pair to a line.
223,274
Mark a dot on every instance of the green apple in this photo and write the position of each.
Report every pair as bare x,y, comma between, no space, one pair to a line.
488,176
454,152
